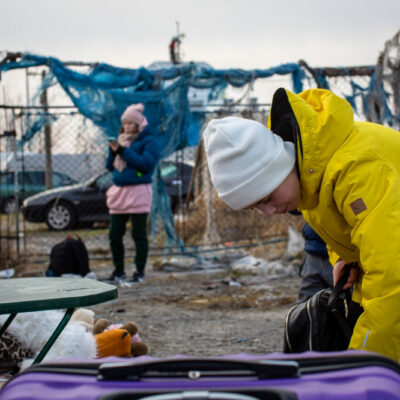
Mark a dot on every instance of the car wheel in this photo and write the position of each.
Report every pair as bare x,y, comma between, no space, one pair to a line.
60,216
9,205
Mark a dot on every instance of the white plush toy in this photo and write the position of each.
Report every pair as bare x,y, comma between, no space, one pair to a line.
32,330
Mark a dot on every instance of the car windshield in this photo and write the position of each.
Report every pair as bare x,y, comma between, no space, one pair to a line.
93,179
37,178
60,179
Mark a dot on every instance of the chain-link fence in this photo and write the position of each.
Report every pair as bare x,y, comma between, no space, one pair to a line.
40,209
55,183
65,154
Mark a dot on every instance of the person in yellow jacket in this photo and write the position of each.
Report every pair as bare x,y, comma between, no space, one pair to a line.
344,176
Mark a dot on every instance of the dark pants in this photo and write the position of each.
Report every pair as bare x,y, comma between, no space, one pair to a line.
139,236
316,274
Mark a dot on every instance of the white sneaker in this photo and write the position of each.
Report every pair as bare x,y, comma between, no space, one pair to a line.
138,277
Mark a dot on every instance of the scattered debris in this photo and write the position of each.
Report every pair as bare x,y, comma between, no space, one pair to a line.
295,247
180,263
7,273
248,263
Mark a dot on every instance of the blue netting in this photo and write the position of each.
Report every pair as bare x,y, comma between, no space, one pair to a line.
40,121
104,91
211,78
379,93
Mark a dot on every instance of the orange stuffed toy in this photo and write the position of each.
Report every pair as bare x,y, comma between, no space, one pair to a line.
118,340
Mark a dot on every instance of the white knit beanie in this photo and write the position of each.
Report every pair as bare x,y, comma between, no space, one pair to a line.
246,160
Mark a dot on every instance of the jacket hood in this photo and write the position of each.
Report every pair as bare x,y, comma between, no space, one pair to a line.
318,122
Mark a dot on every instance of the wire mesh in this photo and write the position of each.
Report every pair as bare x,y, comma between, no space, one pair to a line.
61,173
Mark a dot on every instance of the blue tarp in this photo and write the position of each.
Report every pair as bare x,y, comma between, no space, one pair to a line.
104,91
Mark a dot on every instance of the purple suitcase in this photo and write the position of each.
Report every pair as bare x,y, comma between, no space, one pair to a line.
342,375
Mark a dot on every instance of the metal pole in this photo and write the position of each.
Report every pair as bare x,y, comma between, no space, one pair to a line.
28,101
16,183
27,86
47,139
6,127
1,173
5,111
178,44
23,180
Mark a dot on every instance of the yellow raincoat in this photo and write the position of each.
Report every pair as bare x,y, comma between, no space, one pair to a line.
350,194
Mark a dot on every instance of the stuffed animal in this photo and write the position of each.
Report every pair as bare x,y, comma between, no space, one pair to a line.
32,330
80,339
118,340
12,352
84,317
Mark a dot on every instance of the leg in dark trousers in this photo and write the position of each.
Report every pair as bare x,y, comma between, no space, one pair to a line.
139,236
317,274
116,234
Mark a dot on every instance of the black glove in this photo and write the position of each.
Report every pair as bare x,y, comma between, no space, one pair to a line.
119,150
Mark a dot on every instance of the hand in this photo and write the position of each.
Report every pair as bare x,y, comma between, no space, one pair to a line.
113,145
338,271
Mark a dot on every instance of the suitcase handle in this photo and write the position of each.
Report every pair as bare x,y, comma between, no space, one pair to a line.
264,393
195,368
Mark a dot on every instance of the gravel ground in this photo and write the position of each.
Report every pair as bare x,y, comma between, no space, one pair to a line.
228,308
230,302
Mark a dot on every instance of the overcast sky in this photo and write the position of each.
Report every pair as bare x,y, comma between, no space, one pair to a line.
227,34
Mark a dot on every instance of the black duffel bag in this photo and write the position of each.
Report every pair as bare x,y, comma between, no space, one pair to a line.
324,322
70,256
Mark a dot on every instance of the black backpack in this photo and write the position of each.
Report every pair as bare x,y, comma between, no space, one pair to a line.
69,257
324,322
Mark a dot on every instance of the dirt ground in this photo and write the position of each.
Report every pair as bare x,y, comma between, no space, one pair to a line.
226,302
234,303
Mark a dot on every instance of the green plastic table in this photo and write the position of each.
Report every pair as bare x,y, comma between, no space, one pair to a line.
37,294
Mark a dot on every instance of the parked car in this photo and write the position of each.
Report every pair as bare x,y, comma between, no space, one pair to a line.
62,208
29,183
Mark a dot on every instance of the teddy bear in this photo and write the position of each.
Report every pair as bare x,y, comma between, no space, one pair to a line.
81,338
120,340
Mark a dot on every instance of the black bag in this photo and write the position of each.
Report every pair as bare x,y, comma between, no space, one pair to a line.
69,257
324,322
